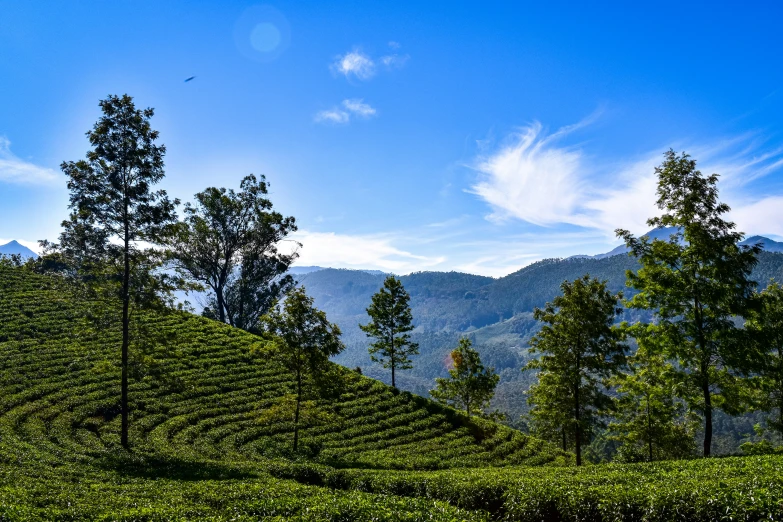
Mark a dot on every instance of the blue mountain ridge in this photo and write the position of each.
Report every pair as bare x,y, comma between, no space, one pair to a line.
665,233
14,247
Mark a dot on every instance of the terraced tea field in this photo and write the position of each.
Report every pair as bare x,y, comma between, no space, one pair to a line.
204,447
197,400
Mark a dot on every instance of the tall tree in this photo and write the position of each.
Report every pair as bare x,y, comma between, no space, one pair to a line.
766,327
470,386
579,350
229,242
112,199
303,342
649,418
391,320
696,283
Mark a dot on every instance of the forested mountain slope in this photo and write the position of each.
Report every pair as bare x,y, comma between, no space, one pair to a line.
495,313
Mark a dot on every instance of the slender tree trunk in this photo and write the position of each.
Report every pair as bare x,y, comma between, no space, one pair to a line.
578,427
393,362
705,387
565,445
649,431
705,377
220,305
125,337
296,412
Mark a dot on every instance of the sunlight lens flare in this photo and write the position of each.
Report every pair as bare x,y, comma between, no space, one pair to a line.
262,33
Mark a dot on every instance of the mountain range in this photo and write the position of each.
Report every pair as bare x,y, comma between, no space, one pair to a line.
495,313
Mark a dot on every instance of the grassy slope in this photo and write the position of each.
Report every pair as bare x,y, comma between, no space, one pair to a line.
202,454
201,447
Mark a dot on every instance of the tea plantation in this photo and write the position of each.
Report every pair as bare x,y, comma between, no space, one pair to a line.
204,446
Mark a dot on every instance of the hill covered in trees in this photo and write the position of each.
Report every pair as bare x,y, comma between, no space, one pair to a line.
496,314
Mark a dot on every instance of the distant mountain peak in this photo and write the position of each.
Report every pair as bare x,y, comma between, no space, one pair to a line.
14,247
665,233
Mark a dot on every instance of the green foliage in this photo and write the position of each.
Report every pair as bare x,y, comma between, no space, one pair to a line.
696,284
202,447
649,419
766,326
579,350
228,242
210,423
111,199
470,385
391,320
303,340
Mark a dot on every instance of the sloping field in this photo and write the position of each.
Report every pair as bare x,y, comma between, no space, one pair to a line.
198,397
205,448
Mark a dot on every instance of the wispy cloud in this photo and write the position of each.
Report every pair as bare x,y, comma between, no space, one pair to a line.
347,109
395,60
531,179
359,251
356,64
17,170
538,179
332,116
360,65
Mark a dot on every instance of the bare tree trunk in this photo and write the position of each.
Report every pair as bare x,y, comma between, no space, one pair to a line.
296,413
707,412
125,339
578,427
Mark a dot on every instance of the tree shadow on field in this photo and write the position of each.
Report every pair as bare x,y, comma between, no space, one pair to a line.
169,467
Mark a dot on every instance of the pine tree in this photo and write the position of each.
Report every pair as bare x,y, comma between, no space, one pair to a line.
579,349
696,283
303,341
112,199
391,320
470,386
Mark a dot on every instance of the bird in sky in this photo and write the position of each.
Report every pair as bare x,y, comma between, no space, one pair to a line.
188,79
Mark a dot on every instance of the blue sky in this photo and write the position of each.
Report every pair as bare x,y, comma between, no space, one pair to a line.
403,136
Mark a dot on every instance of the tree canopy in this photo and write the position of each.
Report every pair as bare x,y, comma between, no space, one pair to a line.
579,350
696,284
229,242
391,320
470,386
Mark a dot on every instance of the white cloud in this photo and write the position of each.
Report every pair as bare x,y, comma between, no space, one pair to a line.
332,116
358,251
531,179
395,60
355,63
362,66
537,180
342,114
16,170
761,217
358,107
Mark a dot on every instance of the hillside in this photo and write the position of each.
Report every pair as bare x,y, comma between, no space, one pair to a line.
495,313
201,449
198,399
